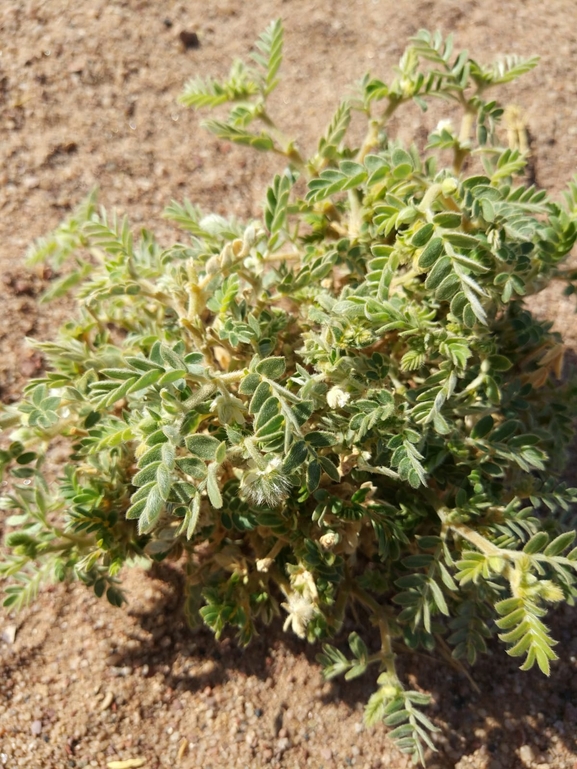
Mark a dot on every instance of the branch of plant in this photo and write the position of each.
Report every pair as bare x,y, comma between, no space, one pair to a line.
387,654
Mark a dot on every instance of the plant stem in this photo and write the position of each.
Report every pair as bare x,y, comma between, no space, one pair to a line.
287,145
387,653
371,140
482,544
463,149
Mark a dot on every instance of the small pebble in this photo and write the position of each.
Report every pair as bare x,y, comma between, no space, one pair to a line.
107,701
8,634
282,745
36,727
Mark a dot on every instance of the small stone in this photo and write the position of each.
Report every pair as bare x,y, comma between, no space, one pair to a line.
107,701
31,182
8,634
36,727
526,754
282,745
327,754
120,672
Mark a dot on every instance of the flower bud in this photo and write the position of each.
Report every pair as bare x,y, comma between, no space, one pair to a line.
329,540
337,398
449,186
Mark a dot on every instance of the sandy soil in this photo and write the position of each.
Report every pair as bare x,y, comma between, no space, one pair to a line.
87,96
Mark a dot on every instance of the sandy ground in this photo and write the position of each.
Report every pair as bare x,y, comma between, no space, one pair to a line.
87,97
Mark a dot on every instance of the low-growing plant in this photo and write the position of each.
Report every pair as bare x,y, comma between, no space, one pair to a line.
346,402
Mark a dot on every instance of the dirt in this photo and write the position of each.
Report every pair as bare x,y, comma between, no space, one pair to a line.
87,97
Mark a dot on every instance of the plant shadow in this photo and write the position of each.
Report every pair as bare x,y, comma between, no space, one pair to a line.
512,708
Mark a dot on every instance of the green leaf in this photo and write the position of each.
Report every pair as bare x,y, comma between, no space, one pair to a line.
355,671
460,240
431,253
401,157
192,466
297,454
483,427
271,368
261,395
212,486
144,381
269,56
439,597
559,544
335,132
448,220
271,427
358,646
331,181
249,384
203,446
220,455
163,480
536,543
313,476
263,141
192,517
330,469
146,475
422,237
333,661
150,513
26,458
441,269
275,212
320,439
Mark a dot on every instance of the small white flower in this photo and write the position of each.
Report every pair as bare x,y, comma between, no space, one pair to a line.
494,238
303,581
337,398
300,613
445,125
329,540
264,564
229,408
248,240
